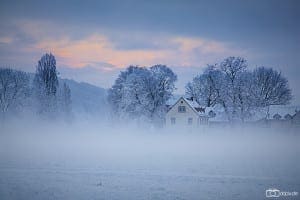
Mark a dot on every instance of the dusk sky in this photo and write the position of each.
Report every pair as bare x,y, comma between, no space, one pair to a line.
93,40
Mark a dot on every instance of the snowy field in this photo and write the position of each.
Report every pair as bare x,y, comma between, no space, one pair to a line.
98,162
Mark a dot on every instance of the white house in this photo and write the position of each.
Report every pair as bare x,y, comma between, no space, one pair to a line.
274,113
296,118
283,116
186,113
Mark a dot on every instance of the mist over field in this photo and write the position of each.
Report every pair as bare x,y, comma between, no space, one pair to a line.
149,100
90,160
232,135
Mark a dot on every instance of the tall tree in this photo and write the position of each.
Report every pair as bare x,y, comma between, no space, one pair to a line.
46,84
133,96
233,68
160,90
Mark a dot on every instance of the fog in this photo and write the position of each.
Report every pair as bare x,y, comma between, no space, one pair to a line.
90,160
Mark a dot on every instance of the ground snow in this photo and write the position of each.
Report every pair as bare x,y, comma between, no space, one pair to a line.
98,163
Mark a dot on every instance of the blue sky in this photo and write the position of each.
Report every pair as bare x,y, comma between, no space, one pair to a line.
94,40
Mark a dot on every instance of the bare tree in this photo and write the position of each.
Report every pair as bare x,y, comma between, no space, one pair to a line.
14,89
245,98
239,91
204,87
272,87
233,68
220,84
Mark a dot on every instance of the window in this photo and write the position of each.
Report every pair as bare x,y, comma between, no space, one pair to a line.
173,120
190,120
211,114
203,120
181,109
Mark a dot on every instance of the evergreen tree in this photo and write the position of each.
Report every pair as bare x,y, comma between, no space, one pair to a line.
46,85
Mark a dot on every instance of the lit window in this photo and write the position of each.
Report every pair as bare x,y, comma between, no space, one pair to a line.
173,120
181,109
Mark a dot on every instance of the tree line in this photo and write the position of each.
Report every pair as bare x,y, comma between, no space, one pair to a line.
240,91
42,95
142,93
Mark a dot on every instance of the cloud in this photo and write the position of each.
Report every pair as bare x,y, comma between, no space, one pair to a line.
100,52
6,40
98,46
196,51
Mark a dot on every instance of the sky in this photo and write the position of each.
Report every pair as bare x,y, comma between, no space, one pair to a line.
93,40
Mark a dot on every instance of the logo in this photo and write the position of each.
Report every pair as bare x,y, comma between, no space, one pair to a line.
272,192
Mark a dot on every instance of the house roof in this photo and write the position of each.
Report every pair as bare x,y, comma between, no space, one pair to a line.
219,111
193,105
297,113
282,110
257,114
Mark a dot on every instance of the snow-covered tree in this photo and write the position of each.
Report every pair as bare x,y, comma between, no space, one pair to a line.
46,85
233,68
118,95
133,96
271,87
14,90
159,90
239,91
204,87
245,99
141,92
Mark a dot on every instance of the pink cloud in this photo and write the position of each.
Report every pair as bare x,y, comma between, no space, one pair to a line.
95,48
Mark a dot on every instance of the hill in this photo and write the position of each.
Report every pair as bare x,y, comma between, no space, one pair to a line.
87,99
